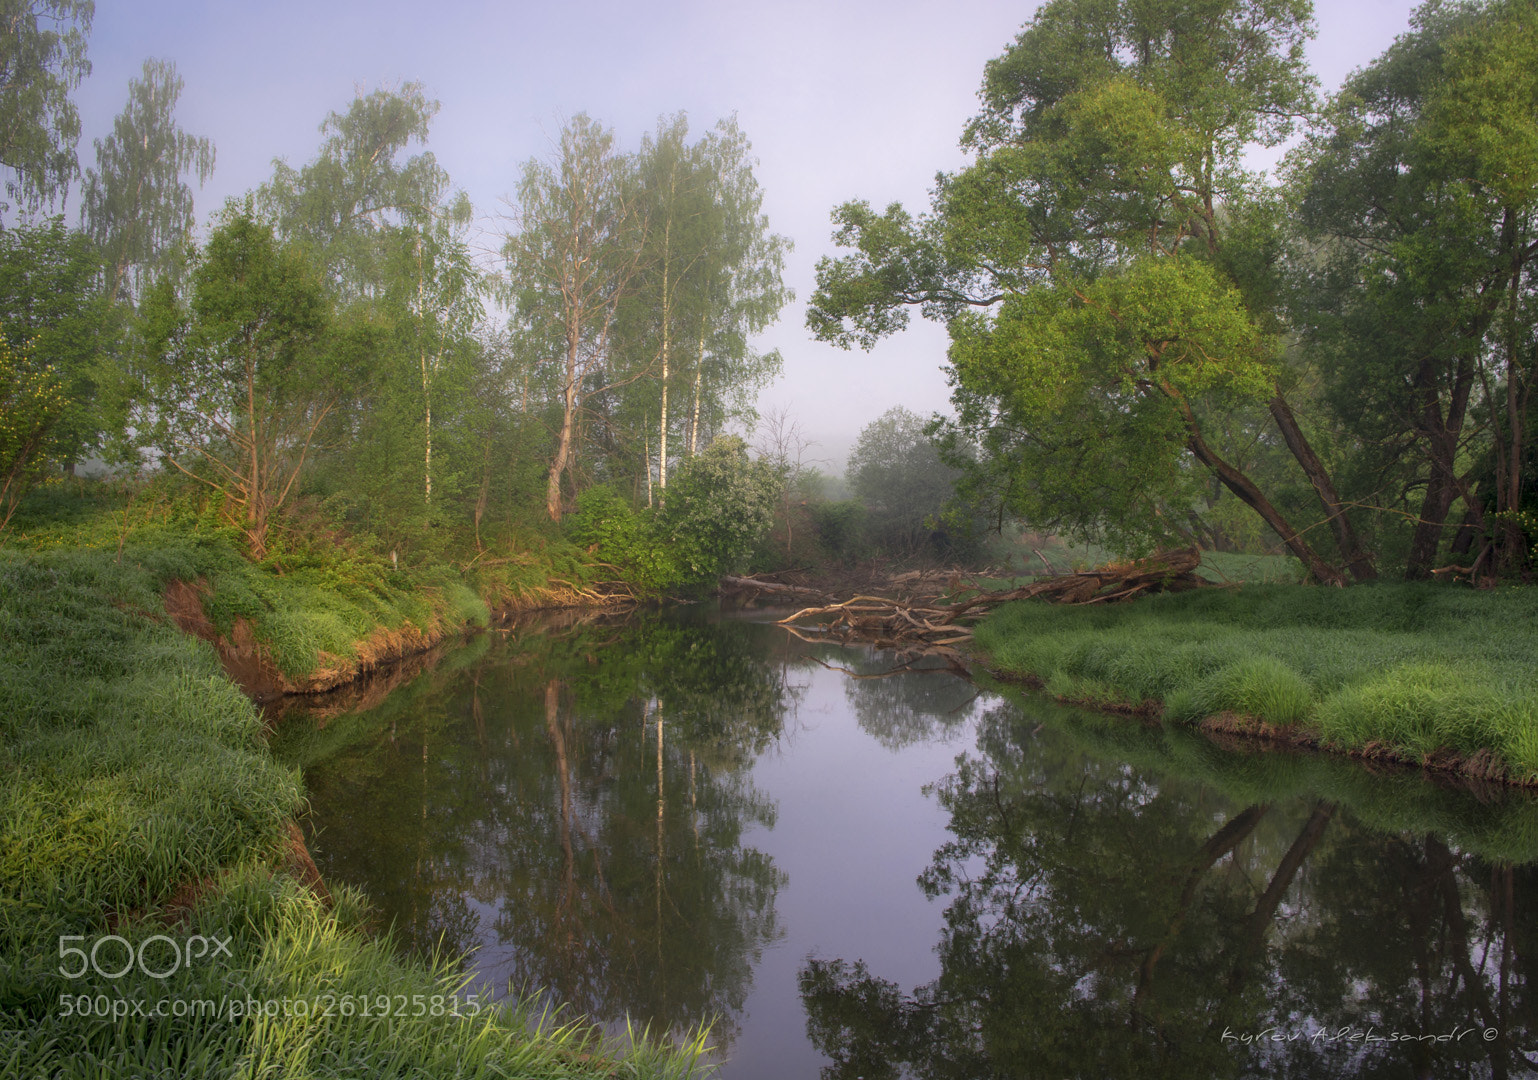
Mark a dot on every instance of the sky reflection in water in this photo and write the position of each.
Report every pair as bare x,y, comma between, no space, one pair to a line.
693,818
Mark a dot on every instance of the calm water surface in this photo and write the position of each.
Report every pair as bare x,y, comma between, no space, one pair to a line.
853,872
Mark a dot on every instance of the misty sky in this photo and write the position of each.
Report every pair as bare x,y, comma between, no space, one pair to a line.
841,100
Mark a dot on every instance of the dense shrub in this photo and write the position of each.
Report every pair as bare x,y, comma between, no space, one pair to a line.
718,510
631,541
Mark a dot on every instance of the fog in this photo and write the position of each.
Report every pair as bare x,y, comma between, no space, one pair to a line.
853,100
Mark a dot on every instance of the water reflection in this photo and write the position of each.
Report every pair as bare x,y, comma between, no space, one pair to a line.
601,809
1106,921
574,806
899,704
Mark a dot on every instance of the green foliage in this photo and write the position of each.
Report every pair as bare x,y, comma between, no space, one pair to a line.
1105,269
607,526
719,509
1074,368
569,266
344,206
389,230
637,282
32,403
840,528
53,308
42,56
709,278
1424,707
136,207
1412,668
235,387
896,471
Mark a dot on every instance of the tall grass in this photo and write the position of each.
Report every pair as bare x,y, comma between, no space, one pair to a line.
136,775
1412,669
320,594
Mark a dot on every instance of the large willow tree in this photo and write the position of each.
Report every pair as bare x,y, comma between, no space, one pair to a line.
1102,266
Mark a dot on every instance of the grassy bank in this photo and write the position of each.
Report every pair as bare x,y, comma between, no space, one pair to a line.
1428,673
323,603
141,800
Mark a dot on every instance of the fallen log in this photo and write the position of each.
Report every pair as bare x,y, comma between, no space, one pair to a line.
773,588
926,622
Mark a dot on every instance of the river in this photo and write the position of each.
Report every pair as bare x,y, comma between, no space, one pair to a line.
851,868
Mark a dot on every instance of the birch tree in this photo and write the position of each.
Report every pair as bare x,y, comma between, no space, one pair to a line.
137,206
572,252
42,59
389,227
743,290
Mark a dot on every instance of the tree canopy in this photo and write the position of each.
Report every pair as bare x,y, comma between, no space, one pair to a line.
42,59
238,380
137,206
1079,259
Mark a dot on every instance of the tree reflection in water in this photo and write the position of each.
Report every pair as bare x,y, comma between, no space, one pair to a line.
573,805
1105,921
1112,899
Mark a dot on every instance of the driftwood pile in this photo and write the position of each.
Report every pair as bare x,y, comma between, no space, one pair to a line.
920,616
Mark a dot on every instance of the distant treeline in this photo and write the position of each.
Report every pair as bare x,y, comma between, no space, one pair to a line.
338,336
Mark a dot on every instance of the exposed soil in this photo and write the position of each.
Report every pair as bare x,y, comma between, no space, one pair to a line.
245,661
300,866
249,664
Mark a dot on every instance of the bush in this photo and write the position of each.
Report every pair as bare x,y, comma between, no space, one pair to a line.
605,524
719,510
841,528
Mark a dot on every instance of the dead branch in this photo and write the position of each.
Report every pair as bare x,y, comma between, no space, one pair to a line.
925,622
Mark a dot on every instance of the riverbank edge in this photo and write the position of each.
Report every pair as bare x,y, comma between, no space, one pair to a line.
247,659
272,850
1482,763
1256,730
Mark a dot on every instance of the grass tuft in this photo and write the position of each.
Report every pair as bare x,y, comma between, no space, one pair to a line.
1412,669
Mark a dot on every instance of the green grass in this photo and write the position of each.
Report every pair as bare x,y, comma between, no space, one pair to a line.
1415,669
1499,827
318,593
133,769
1225,566
1219,567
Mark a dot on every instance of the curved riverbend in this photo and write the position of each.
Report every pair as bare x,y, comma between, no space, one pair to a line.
690,817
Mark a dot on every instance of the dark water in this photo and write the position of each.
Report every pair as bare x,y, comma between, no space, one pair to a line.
699,818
